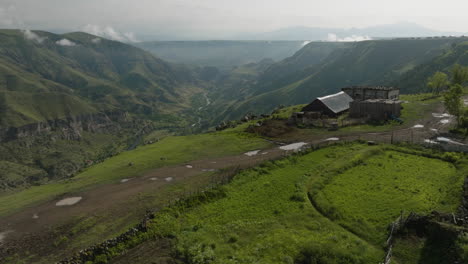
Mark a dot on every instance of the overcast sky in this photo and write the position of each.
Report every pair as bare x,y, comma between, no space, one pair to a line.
226,17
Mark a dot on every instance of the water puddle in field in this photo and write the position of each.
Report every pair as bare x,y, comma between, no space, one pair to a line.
168,179
252,153
154,179
35,216
125,180
418,126
4,234
441,115
188,166
444,121
465,102
449,141
68,201
434,130
214,162
430,141
294,146
264,153
332,139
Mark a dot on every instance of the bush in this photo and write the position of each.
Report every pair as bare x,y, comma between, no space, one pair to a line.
326,254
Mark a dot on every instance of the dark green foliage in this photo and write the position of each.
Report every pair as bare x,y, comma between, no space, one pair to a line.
327,253
413,81
438,82
453,102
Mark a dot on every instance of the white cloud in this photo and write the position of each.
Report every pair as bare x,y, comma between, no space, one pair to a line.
28,34
96,40
306,42
353,38
110,33
65,42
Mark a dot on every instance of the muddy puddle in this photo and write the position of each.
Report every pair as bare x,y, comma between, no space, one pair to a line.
294,146
68,201
3,235
252,153
441,115
125,180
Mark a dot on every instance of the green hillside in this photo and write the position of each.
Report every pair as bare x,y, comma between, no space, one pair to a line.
416,79
99,74
362,63
66,99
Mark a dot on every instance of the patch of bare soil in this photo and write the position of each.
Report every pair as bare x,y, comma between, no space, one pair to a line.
272,128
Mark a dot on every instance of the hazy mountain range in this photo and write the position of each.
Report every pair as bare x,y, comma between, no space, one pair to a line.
402,29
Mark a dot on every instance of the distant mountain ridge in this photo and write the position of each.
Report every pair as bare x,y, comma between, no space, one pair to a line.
397,30
222,54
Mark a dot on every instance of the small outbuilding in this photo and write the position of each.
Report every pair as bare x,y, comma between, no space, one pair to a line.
330,105
376,109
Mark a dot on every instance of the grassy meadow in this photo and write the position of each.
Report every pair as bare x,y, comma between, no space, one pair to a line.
168,151
331,205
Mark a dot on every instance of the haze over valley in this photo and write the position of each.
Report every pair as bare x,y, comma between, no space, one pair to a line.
233,132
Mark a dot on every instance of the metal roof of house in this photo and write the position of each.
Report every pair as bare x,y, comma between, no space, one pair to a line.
338,102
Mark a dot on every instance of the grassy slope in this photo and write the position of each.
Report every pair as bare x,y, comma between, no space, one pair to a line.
91,76
259,222
366,198
266,217
416,79
363,63
175,150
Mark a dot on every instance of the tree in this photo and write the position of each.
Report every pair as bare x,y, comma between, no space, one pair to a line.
438,82
453,102
459,74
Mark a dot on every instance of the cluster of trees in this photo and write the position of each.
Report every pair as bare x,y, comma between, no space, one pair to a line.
453,91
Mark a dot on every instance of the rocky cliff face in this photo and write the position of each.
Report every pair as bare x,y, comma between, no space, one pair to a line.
61,148
70,128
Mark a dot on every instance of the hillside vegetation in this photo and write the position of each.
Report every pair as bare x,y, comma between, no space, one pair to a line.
376,62
93,74
67,100
309,208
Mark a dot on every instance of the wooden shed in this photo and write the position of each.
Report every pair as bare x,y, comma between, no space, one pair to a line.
376,109
330,105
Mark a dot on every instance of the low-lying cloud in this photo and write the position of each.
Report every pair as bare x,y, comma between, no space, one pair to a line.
110,33
353,38
305,43
28,34
65,42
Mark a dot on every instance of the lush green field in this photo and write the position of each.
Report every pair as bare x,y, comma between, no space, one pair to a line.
265,215
169,151
266,218
367,197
